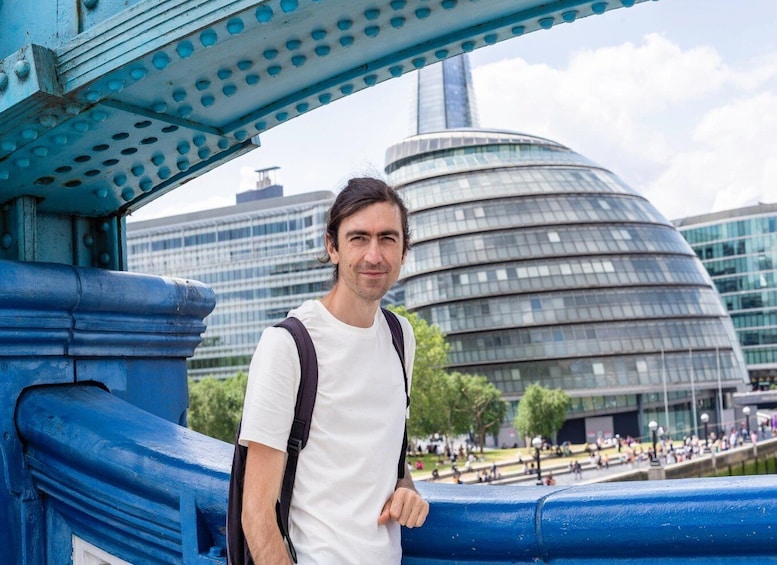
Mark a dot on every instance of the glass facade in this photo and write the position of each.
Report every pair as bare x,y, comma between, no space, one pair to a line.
541,266
445,97
260,258
739,250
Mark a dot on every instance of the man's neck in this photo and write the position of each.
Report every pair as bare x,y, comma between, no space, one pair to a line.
357,313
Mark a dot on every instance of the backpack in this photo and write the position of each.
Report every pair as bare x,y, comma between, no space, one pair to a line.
237,547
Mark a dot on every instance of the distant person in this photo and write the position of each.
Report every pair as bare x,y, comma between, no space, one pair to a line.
577,469
348,502
549,480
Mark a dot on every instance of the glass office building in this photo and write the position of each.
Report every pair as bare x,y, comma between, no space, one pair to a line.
260,257
445,98
739,250
541,266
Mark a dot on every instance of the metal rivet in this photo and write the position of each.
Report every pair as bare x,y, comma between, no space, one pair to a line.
22,69
3,81
90,4
7,240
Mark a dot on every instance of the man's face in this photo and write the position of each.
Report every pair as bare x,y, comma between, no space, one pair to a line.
370,251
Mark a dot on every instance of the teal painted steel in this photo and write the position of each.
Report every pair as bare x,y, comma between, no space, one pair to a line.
120,106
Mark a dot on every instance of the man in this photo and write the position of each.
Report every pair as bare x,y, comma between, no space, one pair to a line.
348,504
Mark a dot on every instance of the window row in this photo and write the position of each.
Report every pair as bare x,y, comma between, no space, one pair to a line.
532,211
195,235
756,319
469,158
256,272
586,340
617,372
573,307
745,282
751,245
730,230
761,356
536,244
744,265
411,148
511,278
508,182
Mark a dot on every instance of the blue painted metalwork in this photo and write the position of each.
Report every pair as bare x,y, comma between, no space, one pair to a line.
159,491
61,324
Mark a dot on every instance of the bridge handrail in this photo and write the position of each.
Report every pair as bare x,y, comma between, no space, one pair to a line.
134,481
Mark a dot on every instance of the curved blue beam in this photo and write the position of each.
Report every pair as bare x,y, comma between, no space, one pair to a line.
146,490
100,122
133,484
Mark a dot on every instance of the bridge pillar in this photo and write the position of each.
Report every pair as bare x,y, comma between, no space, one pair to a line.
59,324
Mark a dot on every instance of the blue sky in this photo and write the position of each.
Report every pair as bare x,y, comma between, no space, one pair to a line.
677,97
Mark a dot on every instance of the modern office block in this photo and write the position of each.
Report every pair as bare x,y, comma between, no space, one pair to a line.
739,250
260,257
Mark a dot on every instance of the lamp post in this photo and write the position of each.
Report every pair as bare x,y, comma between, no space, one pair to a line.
537,443
746,412
653,425
704,419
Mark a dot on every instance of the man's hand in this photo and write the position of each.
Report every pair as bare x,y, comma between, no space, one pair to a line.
405,506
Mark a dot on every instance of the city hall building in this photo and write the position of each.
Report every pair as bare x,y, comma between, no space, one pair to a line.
541,266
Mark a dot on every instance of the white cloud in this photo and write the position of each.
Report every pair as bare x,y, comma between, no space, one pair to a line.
659,116
732,163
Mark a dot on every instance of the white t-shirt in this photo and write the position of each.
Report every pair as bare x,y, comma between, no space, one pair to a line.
348,468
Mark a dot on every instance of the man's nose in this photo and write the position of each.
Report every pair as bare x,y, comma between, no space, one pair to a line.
373,254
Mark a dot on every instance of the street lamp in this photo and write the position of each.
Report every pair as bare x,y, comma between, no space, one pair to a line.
746,412
653,425
537,443
705,418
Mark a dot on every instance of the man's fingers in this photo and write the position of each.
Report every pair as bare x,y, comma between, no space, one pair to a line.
406,507
385,513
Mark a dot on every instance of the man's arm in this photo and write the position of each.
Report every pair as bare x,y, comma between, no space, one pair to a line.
405,505
262,485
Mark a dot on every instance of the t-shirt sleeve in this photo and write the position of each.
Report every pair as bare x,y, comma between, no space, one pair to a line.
273,379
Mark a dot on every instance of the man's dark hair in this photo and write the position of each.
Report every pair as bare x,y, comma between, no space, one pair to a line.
357,195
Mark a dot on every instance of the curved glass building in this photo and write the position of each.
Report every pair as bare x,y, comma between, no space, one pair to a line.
541,266
739,250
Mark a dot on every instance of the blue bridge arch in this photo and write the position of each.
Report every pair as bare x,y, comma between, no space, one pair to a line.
106,105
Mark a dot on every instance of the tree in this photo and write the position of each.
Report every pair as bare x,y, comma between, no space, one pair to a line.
482,403
216,405
541,411
433,395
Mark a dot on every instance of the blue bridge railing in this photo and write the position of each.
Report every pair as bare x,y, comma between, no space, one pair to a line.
149,491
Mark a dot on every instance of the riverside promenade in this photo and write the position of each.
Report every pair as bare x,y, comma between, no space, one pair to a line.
511,466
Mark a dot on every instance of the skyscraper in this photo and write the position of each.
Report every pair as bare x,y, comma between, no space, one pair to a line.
542,266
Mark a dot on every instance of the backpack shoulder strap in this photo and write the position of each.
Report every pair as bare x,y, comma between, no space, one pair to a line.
303,414
398,340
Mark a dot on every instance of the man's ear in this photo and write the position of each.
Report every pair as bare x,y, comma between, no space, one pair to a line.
331,249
